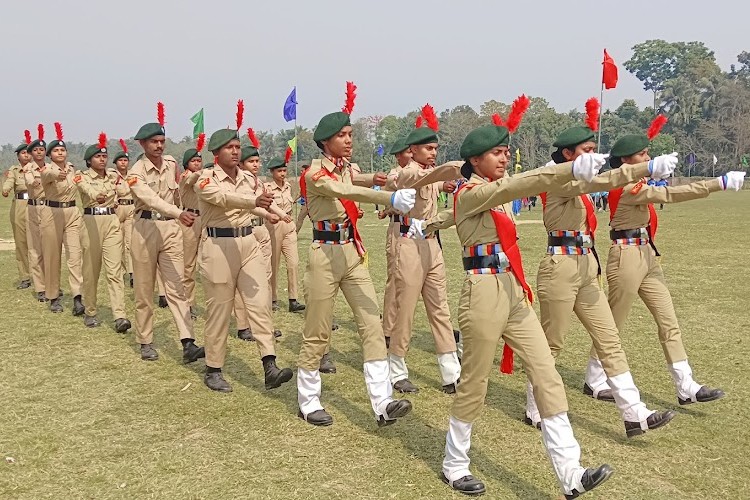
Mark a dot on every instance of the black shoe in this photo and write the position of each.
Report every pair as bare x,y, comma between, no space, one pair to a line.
122,325
295,306
193,312
704,395
395,410
654,421
215,381
191,353
530,423
405,387
276,334
163,301
245,334
78,308
320,418
23,285
334,327
604,395
591,479
41,297
468,485
131,279
55,305
326,364
275,306
449,389
148,353
274,375
90,321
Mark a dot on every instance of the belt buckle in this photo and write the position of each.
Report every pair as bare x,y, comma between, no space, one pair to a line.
586,241
156,215
502,261
343,234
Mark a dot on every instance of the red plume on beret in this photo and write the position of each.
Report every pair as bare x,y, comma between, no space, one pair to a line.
40,131
123,146
240,113
102,140
253,139
27,136
287,154
351,94
592,114
517,110
58,131
418,123
160,113
201,142
497,120
430,117
656,126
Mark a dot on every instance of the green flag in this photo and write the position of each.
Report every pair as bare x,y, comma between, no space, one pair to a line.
197,120
293,144
744,160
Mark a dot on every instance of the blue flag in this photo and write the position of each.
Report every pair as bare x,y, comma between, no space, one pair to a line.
380,151
691,158
290,106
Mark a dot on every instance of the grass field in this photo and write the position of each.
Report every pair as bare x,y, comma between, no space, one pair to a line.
83,417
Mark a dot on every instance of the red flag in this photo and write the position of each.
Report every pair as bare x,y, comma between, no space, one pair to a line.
609,72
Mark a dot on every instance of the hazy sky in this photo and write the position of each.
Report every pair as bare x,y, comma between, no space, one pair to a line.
103,65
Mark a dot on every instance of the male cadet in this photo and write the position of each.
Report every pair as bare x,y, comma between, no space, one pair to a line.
157,239
15,182
419,268
192,162
61,225
125,207
283,233
231,261
33,177
337,261
101,237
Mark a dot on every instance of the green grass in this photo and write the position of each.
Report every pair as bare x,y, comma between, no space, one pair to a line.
83,417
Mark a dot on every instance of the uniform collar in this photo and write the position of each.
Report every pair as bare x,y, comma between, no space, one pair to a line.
92,173
221,175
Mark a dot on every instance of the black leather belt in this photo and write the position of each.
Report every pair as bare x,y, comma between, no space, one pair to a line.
99,211
569,241
193,211
403,229
148,214
125,202
616,234
396,218
35,203
229,232
23,195
256,221
497,261
334,236
60,204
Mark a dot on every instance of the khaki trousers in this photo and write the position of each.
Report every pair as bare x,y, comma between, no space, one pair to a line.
18,224
264,240
125,216
491,307
61,227
191,237
101,241
301,216
390,300
284,241
36,252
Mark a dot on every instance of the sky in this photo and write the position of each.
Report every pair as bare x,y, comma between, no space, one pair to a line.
103,65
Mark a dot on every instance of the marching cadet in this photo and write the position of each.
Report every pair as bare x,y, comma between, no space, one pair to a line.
283,233
568,277
101,238
303,204
61,225
33,177
495,302
418,267
192,162
633,267
157,241
125,207
231,261
15,182
337,260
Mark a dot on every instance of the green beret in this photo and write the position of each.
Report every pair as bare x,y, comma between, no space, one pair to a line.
221,138
573,136
121,154
189,155
629,145
248,152
398,147
330,125
55,144
208,165
276,163
148,131
22,147
92,150
421,135
35,144
482,139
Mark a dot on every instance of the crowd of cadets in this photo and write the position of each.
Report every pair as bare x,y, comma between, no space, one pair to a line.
145,223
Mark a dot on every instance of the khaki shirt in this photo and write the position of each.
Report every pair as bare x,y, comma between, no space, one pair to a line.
425,206
565,211
632,210
224,202
59,190
121,186
15,182
33,178
90,184
154,189
323,192
188,195
282,196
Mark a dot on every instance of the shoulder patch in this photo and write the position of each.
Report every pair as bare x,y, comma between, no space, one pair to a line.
132,180
317,175
77,178
638,187
204,182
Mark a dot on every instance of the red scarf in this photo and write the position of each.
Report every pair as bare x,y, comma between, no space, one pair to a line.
303,184
590,214
352,213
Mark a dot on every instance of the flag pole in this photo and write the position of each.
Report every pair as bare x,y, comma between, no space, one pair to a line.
296,155
601,114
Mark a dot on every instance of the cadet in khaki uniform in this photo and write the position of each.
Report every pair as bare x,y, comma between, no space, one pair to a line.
15,183
33,177
633,267
101,238
125,207
283,233
495,303
157,242
192,162
231,261
61,225
337,261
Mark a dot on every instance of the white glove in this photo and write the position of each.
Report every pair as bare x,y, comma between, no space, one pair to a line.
732,180
587,166
403,200
662,166
415,229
